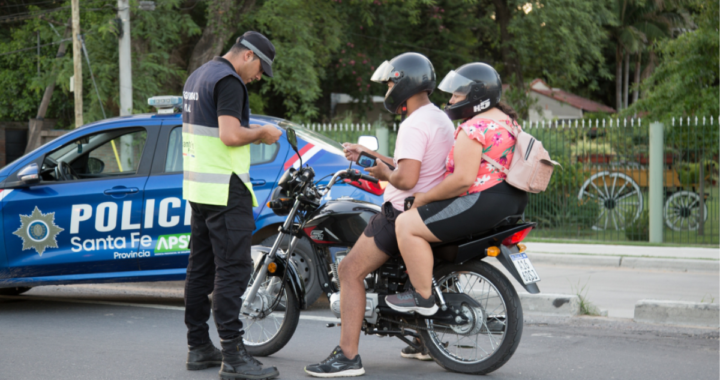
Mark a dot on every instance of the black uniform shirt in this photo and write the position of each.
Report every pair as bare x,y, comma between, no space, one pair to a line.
229,95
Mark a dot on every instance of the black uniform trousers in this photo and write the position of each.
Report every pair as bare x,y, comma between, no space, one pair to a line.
220,263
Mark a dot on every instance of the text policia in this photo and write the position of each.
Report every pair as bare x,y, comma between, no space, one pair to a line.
106,218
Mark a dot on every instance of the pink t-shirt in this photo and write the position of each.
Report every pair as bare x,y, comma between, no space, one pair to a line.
426,136
496,142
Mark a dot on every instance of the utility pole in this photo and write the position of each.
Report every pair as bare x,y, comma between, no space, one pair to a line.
77,63
126,97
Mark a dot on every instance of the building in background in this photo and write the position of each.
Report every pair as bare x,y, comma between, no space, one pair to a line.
559,104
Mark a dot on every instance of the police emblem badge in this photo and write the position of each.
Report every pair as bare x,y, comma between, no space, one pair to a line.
38,231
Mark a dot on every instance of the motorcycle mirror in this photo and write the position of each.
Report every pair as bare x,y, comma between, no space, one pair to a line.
292,139
370,142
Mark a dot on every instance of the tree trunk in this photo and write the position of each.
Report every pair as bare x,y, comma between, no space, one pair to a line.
503,16
223,16
618,78
626,79
650,66
36,125
636,91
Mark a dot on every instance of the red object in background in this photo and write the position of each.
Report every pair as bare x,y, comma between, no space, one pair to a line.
516,237
644,159
370,187
595,158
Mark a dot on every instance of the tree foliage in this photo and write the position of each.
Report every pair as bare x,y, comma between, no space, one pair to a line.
323,47
686,83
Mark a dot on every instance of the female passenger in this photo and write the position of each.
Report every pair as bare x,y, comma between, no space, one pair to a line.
473,196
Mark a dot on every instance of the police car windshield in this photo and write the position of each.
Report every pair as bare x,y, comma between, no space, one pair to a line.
315,138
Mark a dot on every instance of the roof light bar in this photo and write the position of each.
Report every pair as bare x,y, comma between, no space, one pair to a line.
166,104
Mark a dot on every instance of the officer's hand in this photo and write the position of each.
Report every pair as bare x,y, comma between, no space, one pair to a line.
352,151
270,134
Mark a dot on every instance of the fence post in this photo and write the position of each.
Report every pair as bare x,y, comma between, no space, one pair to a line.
381,131
655,182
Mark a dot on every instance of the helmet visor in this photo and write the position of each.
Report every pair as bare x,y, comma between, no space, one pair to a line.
382,74
455,83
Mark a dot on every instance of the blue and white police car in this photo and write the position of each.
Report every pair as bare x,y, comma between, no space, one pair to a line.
103,203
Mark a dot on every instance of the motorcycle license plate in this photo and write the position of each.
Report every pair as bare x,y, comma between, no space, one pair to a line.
524,268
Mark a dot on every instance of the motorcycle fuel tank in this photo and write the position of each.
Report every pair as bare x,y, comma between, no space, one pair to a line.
340,222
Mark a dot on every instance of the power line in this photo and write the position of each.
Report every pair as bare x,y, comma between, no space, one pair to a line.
35,47
29,4
28,15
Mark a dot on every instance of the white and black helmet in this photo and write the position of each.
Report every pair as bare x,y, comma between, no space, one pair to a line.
412,73
480,84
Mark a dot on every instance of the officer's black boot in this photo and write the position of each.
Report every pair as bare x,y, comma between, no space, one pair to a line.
202,357
238,364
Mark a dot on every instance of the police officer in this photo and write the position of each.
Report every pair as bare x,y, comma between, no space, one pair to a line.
216,182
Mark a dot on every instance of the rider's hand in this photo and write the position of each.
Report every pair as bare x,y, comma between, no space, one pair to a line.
270,134
420,200
380,171
352,151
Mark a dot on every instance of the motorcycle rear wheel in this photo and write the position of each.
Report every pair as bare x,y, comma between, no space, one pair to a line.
269,333
491,338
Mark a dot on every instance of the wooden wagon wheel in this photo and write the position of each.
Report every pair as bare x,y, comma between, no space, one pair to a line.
617,195
682,211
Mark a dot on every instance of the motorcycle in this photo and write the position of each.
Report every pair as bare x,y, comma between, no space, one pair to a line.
479,322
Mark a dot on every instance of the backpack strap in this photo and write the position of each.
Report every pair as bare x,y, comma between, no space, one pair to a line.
511,130
495,163
490,160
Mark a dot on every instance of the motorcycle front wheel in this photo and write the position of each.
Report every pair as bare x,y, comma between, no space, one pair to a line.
494,326
266,330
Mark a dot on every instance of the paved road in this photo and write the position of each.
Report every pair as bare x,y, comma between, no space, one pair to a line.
143,338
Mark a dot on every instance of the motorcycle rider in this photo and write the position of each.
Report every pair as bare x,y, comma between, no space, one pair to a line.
423,141
474,196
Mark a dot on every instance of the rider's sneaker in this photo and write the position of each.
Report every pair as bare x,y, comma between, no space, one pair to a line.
410,301
336,365
411,352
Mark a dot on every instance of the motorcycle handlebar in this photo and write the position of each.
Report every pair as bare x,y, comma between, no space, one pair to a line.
369,179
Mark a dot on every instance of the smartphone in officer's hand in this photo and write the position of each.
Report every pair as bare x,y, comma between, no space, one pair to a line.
367,160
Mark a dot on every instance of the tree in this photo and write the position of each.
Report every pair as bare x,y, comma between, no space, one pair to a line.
685,83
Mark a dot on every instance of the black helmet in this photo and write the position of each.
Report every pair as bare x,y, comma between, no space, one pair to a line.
412,73
480,84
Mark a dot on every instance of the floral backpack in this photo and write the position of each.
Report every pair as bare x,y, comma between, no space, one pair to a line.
531,166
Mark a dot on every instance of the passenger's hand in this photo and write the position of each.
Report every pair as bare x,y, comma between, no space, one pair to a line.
352,151
270,134
380,171
420,200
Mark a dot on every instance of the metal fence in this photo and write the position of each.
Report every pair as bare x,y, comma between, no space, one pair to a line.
601,192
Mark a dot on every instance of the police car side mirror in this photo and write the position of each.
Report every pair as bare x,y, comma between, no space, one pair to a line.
370,142
29,175
95,166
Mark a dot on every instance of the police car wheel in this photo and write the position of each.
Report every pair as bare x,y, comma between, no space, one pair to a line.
14,291
303,258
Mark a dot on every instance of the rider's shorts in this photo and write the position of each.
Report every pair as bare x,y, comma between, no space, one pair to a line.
457,218
381,227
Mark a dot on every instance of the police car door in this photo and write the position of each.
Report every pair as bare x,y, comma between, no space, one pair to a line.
85,216
170,229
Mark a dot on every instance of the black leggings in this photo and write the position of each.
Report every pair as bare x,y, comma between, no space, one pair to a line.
456,218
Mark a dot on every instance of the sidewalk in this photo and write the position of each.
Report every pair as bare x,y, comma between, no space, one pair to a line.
639,257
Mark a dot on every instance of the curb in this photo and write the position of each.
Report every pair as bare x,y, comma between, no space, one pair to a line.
681,265
565,305
670,264
677,313
569,259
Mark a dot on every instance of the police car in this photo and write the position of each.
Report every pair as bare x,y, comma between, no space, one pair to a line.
103,203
